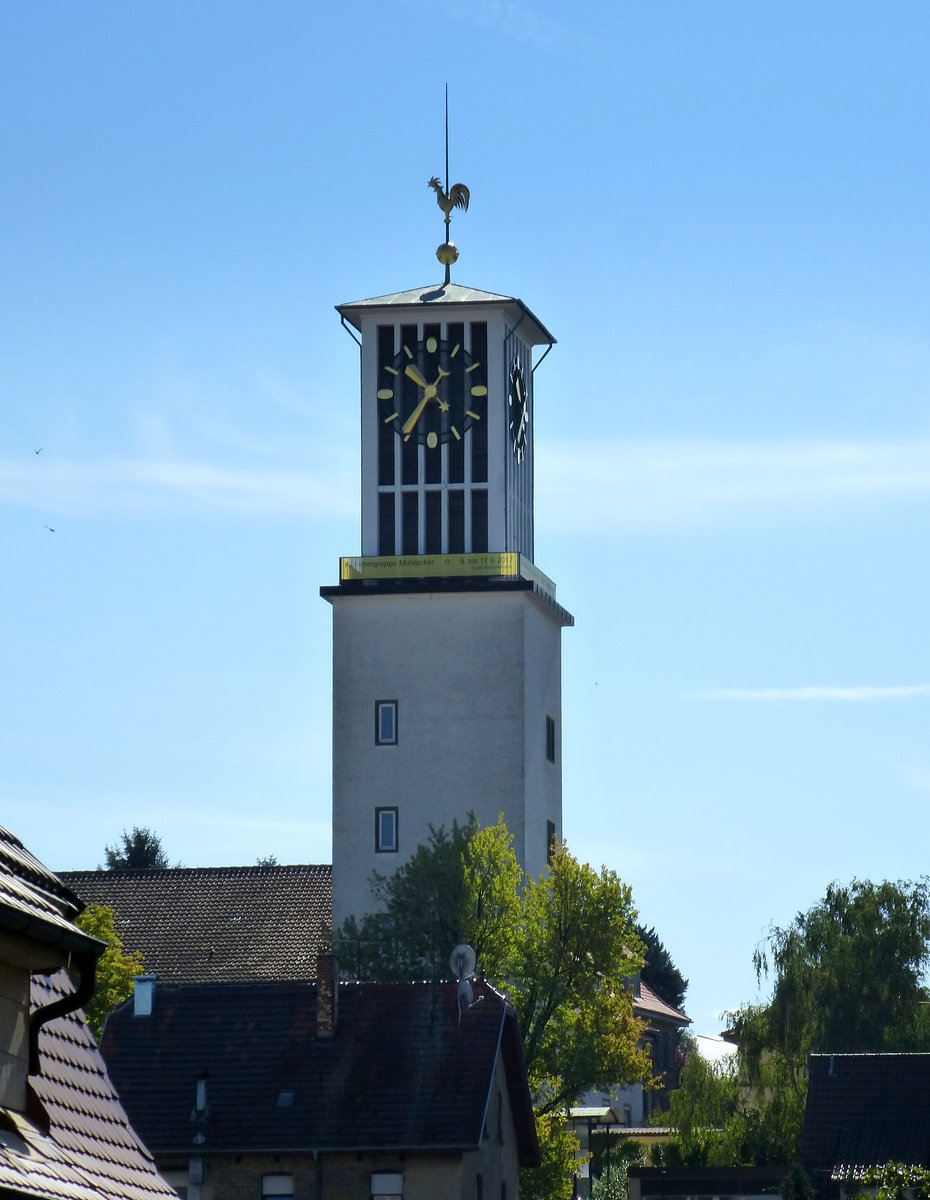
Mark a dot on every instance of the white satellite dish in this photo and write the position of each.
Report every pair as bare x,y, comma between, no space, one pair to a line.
462,961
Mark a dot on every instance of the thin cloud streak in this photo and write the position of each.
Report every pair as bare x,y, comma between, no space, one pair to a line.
167,484
624,484
654,484
814,694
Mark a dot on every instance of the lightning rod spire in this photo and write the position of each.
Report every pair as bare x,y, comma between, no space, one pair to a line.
457,196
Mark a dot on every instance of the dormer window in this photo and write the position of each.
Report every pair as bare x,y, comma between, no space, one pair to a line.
281,1187
387,1185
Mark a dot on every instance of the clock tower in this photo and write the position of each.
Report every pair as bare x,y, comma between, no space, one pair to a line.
446,637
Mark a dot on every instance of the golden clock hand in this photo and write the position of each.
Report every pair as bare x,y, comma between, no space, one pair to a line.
412,373
415,415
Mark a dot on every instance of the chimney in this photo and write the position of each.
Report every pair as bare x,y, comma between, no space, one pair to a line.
143,994
327,993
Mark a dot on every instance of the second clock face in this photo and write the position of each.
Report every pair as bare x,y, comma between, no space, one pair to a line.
518,408
431,392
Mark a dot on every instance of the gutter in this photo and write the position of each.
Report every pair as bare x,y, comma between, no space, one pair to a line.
83,951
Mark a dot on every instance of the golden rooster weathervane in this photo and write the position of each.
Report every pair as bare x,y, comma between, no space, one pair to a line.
456,196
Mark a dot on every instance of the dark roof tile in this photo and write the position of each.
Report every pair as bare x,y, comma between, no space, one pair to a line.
864,1110
402,1071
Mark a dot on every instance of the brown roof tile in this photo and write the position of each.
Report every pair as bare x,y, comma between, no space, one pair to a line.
217,924
650,1004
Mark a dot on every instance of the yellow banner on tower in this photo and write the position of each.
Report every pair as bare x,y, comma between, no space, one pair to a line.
430,566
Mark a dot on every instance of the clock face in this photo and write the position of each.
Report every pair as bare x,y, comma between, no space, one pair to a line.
431,392
518,410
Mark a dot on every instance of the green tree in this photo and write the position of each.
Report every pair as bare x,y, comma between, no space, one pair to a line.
848,975
139,850
613,1183
423,913
115,968
568,975
563,949
896,1181
720,1122
659,971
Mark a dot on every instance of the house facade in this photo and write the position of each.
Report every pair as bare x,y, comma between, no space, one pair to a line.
319,1090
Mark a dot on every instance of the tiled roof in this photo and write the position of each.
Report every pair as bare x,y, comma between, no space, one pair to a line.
89,1151
15,860
74,1141
217,924
864,1110
401,1072
650,1004
31,898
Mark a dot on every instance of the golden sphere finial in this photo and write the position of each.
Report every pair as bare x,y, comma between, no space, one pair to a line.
447,253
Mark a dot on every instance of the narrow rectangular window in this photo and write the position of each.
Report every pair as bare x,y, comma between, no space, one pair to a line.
386,435
433,503
411,528
479,441
386,830
479,522
550,842
385,722
456,522
432,456
550,739
409,392
456,445
386,523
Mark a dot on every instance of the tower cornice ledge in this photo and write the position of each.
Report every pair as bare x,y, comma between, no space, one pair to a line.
446,586
450,295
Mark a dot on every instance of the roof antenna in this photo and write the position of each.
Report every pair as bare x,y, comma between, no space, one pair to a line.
457,196
462,960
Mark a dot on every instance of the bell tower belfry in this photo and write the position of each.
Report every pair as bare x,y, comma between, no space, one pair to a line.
446,637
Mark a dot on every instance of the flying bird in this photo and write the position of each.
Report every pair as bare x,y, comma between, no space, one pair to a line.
40,449
49,528
458,196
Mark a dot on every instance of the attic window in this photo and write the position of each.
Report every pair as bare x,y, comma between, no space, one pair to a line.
387,1185
281,1187
285,1098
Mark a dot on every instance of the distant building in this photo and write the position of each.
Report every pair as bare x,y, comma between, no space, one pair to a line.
217,924
64,1134
327,1090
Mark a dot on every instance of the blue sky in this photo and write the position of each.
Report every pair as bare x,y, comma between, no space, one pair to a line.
721,209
